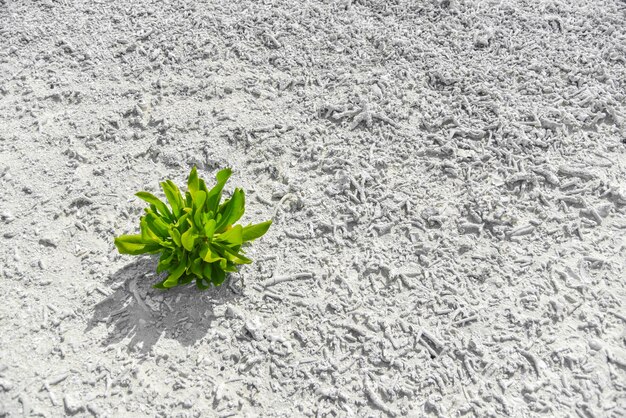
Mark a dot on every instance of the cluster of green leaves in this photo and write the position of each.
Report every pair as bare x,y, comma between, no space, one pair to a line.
195,235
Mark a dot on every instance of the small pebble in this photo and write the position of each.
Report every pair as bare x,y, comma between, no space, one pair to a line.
48,242
7,217
72,403
595,345
5,385
94,409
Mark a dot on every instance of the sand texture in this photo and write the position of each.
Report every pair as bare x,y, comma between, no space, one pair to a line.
447,181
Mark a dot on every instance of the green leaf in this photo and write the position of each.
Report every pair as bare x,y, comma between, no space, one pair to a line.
175,274
198,204
184,226
209,228
208,255
157,225
135,245
232,210
232,237
188,265
215,194
217,275
186,279
188,239
196,267
207,270
176,236
231,268
193,184
166,254
203,187
159,285
146,233
175,199
201,284
198,200
231,254
252,232
165,261
163,265
182,223
158,204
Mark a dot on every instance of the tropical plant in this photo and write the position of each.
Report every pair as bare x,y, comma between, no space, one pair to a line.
196,235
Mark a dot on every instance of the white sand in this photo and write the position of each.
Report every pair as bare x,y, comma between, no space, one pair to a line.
450,173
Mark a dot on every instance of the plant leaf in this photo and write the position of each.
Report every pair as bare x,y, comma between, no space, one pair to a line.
175,274
186,279
232,237
175,236
203,186
196,267
231,210
182,221
146,232
135,245
188,239
217,275
207,271
200,284
184,226
166,254
163,265
209,228
215,194
198,204
193,184
157,225
208,254
165,261
199,199
158,204
231,268
175,199
252,232
232,255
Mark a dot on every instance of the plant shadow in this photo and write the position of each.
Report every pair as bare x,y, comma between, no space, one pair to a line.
137,311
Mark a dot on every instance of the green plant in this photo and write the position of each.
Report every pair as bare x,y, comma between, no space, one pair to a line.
195,235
